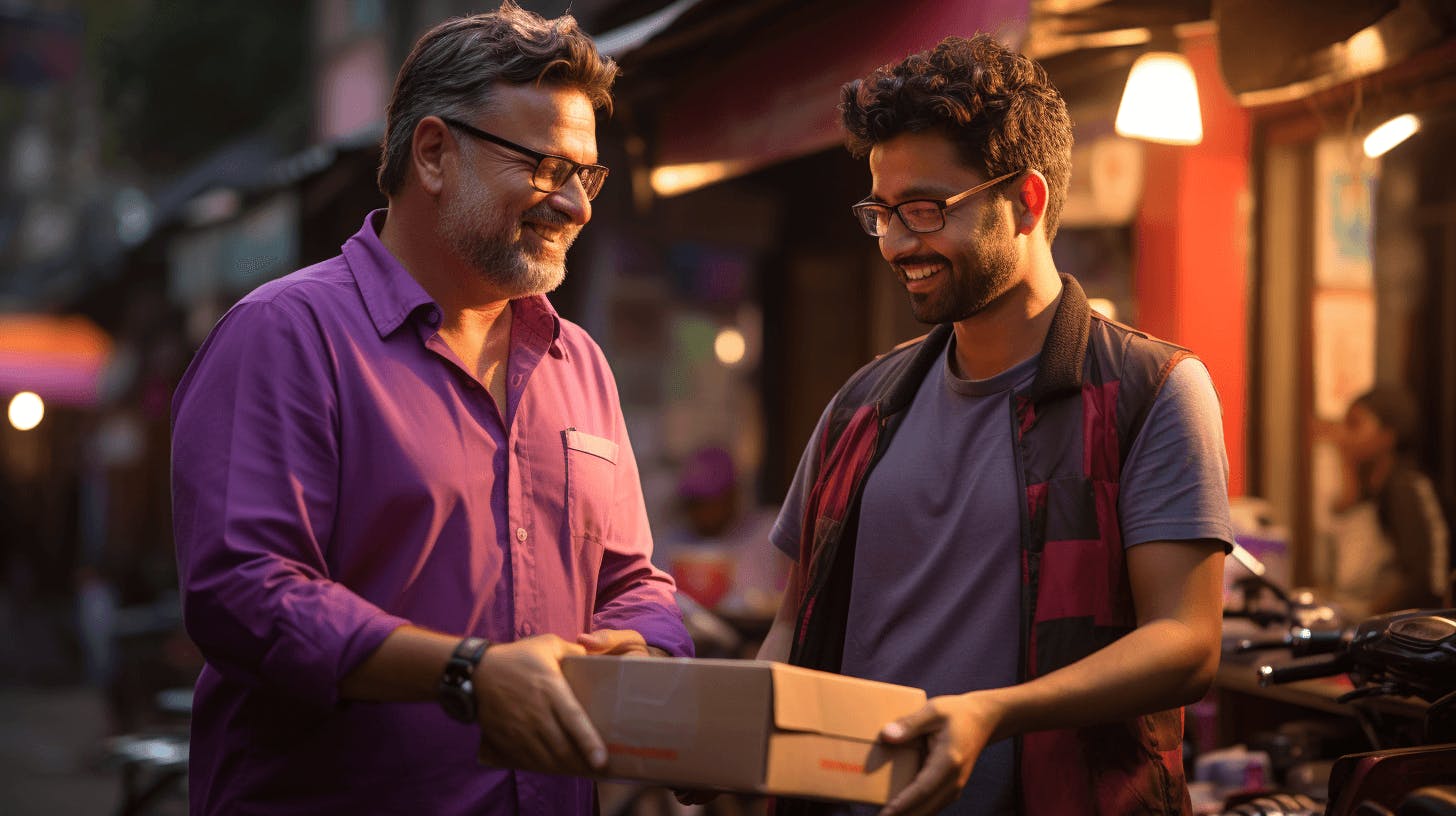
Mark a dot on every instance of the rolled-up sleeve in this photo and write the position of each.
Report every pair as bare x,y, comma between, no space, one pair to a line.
255,476
631,592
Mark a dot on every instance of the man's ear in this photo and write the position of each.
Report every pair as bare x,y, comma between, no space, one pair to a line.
1031,201
427,153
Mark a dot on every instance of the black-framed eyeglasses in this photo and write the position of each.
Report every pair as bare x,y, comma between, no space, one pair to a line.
552,172
918,215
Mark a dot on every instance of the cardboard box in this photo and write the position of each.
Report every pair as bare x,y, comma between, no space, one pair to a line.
746,726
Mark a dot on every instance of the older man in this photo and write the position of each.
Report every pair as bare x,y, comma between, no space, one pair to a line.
403,485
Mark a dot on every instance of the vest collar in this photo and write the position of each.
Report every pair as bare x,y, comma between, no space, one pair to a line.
1065,349
1060,368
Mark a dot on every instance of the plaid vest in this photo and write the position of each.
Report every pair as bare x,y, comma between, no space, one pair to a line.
1074,426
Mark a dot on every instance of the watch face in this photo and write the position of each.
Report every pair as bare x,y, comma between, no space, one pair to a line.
457,703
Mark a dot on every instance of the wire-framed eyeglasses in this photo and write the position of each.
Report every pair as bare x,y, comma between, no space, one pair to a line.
552,172
918,215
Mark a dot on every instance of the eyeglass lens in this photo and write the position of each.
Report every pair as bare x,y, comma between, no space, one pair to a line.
552,173
919,216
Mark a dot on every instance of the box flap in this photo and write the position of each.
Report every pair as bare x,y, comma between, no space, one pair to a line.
823,703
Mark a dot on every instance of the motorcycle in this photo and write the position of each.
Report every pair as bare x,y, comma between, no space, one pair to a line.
1408,654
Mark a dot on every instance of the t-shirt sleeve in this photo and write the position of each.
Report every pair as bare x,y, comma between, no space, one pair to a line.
1174,485
789,526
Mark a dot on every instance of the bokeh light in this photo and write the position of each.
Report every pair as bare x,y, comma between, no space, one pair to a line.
27,409
730,347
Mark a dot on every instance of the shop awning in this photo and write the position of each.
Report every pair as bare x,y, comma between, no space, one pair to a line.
625,39
775,98
61,358
1280,52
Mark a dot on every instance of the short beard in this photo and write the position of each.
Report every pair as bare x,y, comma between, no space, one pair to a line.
974,290
969,295
489,243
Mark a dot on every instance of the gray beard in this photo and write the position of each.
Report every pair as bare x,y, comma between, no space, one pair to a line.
499,261
505,266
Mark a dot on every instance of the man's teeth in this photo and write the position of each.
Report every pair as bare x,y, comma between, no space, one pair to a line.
920,272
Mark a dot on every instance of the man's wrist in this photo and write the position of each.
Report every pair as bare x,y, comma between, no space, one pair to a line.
995,709
457,681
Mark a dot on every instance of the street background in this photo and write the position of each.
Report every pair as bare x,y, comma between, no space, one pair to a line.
160,158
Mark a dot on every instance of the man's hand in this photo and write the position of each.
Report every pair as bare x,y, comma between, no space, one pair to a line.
529,718
957,728
626,642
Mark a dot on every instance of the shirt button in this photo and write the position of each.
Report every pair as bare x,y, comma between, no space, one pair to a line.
434,317
520,533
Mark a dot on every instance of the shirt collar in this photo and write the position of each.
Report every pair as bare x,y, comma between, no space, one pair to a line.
534,317
391,293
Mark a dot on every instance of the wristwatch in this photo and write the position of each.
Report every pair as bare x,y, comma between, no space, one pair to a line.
457,692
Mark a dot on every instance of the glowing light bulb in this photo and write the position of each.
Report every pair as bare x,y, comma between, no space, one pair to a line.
27,409
1382,139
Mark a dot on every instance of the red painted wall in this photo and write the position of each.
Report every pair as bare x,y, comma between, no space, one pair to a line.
1191,275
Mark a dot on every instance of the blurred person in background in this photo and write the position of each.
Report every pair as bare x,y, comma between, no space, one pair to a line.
1025,512
720,556
403,486
1389,544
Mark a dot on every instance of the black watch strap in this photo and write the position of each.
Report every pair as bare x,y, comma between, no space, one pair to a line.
457,691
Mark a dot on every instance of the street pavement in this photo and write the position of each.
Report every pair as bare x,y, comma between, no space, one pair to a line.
52,754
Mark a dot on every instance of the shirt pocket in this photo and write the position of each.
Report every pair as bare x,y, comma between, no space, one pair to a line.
591,473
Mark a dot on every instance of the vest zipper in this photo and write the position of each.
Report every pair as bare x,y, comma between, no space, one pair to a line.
1028,592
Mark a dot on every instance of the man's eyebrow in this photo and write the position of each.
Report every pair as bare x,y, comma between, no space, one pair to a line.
916,194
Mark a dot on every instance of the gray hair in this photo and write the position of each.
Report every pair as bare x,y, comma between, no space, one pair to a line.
450,71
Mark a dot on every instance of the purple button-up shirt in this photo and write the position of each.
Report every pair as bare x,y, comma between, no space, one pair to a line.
337,474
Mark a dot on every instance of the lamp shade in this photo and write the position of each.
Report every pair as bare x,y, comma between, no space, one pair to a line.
1160,101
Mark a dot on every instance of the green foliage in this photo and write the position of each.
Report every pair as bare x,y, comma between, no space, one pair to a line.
182,77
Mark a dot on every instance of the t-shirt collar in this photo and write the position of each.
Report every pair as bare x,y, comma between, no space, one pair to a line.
1016,377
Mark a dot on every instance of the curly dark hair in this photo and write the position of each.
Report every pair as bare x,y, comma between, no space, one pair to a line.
997,106
452,67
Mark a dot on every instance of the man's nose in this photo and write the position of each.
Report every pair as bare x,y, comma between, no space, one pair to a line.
898,240
572,202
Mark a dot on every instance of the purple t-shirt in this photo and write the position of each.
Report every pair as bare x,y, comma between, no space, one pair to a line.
336,474
935,597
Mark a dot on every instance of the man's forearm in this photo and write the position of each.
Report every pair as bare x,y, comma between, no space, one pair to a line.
407,666
1169,660
1161,665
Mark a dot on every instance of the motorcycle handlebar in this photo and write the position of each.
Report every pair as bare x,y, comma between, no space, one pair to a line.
1306,641
1260,645
1300,641
1275,675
